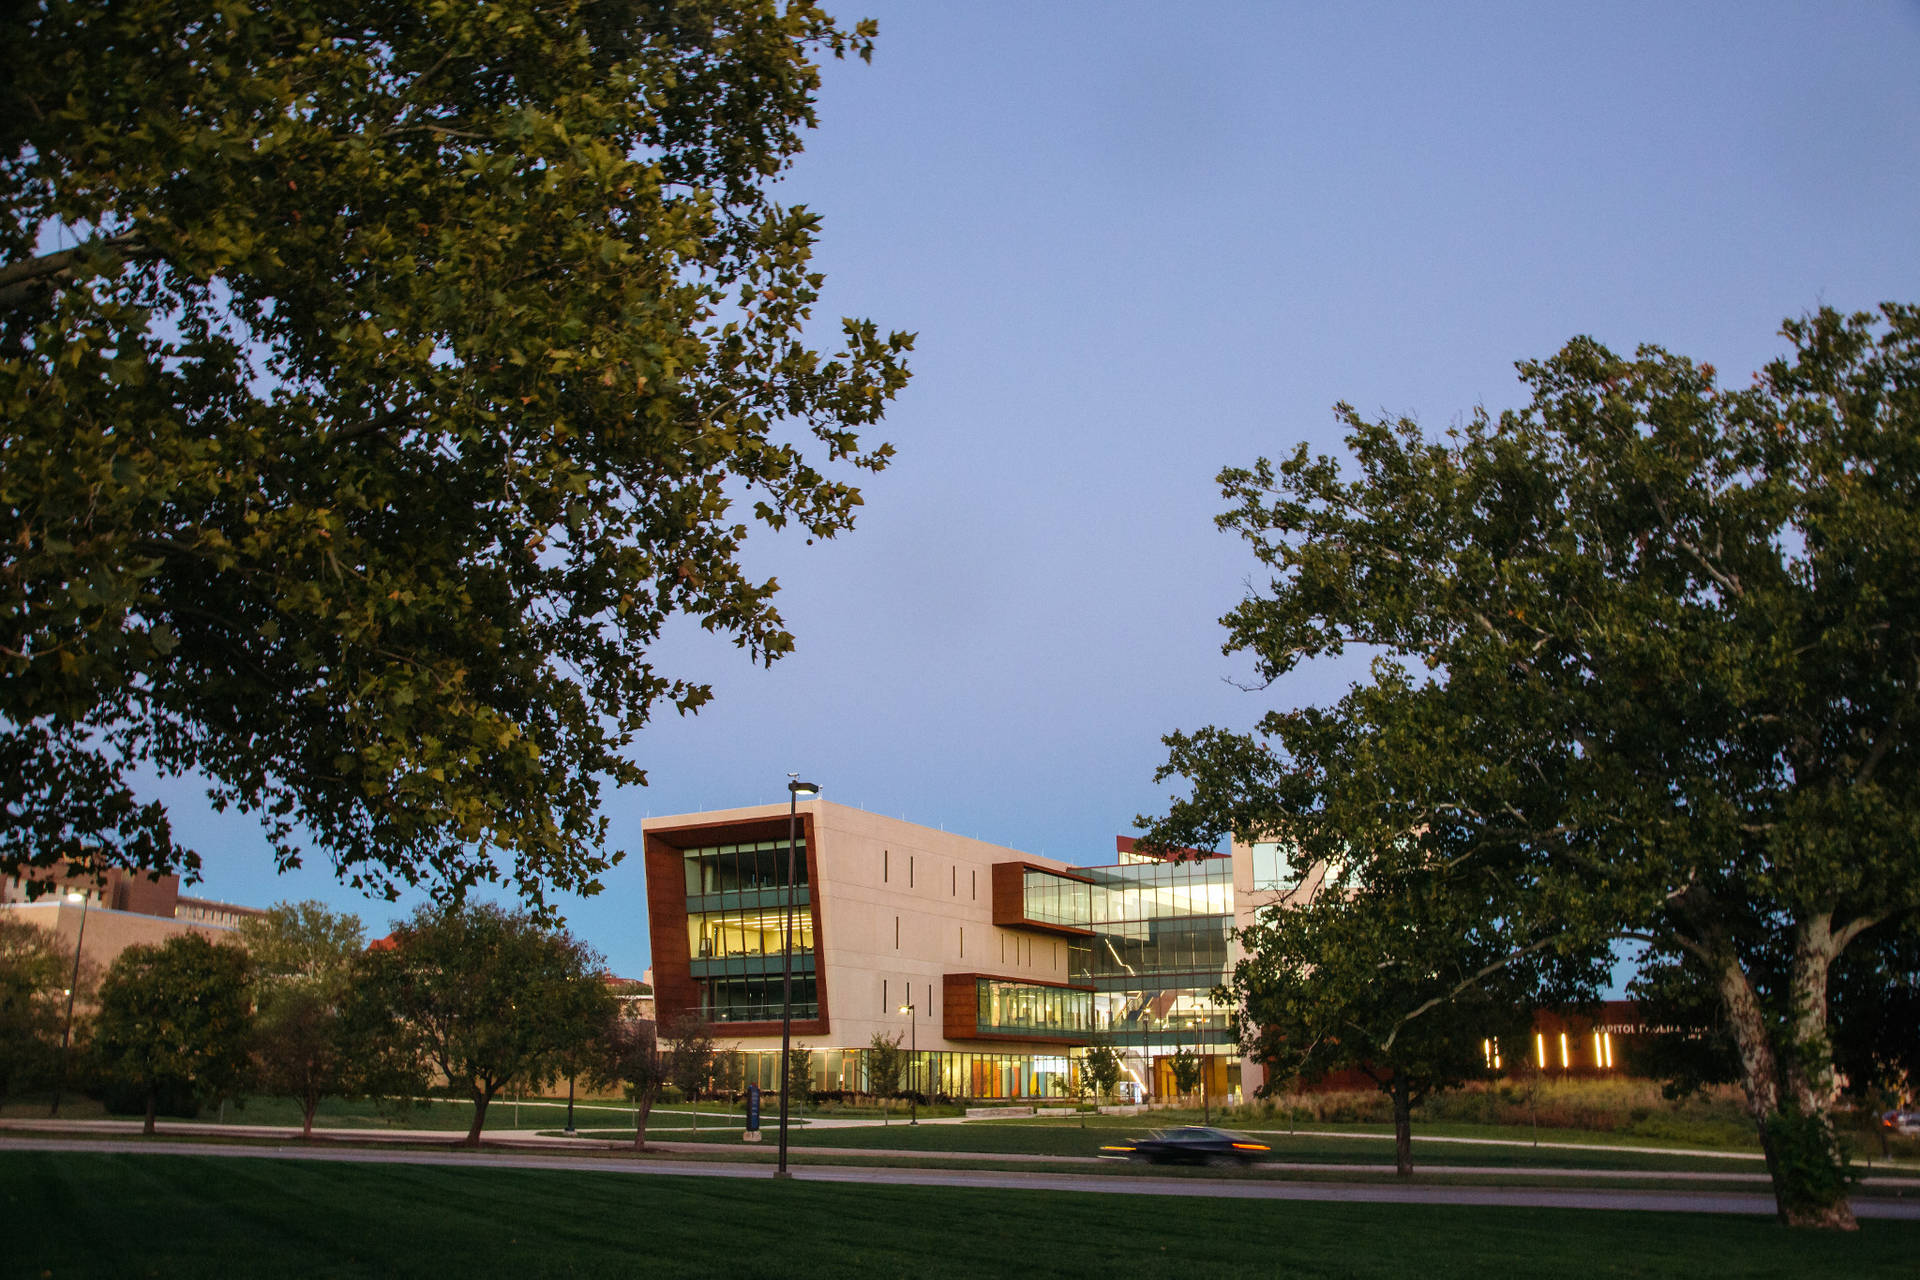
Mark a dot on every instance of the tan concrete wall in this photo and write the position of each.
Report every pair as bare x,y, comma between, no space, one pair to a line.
902,905
108,932
875,871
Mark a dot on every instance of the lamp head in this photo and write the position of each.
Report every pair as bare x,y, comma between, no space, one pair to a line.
74,895
906,1008
808,789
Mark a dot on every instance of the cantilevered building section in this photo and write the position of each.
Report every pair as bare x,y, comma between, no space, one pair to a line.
1012,963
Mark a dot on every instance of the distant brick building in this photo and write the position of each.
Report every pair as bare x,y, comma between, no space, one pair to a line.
123,910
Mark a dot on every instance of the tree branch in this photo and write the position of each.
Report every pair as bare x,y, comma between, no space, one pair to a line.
1467,984
19,281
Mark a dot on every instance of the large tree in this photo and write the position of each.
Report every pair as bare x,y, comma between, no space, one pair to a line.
1404,981
175,1017
1645,664
311,1038
485,997
376,381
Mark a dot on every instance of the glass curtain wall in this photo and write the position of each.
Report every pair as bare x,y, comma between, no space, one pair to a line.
742,869
933,1073
737,897
746,933
1160,947
1052,899
756,998
1028,1009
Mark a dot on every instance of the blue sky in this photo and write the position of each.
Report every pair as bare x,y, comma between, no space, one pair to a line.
1141,242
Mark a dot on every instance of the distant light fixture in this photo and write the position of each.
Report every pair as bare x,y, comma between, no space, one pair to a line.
803,788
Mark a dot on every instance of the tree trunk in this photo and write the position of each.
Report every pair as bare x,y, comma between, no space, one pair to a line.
481,1097
1402,1126
1791,1115
307,1108
642,1109
153,1098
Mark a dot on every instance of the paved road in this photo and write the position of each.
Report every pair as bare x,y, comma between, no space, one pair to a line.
1232,1189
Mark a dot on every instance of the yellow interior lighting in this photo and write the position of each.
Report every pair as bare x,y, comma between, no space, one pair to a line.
1540,1049
1566,1058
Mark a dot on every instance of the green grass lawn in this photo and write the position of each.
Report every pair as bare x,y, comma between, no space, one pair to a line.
168,1216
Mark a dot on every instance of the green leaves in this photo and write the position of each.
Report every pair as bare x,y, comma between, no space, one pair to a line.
393,368
178,1014
484,996
1646,657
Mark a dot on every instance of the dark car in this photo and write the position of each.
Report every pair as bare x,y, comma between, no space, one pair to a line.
1191,1144
1903,1123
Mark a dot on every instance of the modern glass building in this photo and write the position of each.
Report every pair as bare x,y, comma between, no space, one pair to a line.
999,968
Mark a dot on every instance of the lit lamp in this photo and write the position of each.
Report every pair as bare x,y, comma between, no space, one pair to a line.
73,984
913,1059
795,789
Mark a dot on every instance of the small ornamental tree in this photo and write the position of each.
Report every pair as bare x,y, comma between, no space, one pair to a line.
1185,1066
175,1016
631,1058
1100,1069
886,1060
729,1071
484,996
799,1074
690,1058
34,972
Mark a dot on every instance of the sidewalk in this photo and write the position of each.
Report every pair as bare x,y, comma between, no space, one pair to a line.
560,1144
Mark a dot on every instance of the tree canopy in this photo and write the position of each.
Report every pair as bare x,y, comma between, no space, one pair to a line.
1644,665
177,1016
629,1056
375,384
1404,980
484,997
886,1057
310,1039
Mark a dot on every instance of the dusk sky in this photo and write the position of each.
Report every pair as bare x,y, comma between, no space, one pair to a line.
1141,242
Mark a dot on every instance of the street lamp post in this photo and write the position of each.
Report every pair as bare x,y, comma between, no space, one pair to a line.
73,985
794,788
913,1060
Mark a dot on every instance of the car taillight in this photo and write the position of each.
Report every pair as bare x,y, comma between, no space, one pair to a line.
1251,1146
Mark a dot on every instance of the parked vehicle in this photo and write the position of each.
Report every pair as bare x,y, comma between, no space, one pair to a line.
1191,1144
1904,1123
